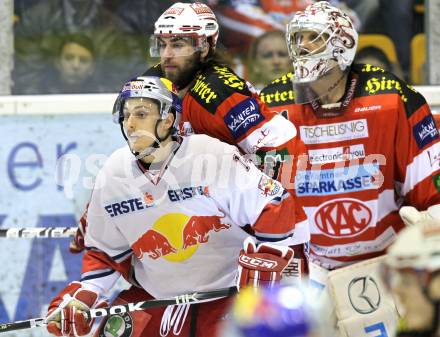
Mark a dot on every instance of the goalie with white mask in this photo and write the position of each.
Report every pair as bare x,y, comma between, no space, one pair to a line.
373,148
322,44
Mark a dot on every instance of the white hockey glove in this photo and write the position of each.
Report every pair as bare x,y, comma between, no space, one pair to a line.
64,316
411,216
262,265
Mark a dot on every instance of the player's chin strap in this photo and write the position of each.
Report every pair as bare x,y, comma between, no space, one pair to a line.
157,141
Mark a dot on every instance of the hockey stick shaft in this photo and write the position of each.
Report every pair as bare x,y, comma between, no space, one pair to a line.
38,232
129,307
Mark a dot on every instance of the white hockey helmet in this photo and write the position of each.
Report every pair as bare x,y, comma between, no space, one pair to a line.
331,26
191,20
159,89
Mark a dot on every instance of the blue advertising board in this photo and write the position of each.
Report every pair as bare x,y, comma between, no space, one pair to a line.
47,166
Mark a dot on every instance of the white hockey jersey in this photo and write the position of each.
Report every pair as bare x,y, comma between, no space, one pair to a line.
181,229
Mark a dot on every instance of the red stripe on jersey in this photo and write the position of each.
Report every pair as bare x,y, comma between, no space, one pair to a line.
280,218
96,260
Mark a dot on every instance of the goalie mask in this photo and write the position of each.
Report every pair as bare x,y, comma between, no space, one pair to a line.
194,22
319,39
158,90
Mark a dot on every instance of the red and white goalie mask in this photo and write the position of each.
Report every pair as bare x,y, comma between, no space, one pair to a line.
318,39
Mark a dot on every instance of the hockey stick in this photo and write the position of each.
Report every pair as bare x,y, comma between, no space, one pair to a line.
129,307
38,232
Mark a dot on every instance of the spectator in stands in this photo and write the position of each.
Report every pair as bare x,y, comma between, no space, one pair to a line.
375,56
139,15
394,18
37,34
268,58
74,67
243,21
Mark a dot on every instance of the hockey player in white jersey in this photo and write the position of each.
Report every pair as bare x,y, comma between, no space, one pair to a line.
173,215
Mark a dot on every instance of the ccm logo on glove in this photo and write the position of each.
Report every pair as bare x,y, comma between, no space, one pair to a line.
253,262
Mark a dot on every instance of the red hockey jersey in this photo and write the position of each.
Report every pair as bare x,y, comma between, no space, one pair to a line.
382,152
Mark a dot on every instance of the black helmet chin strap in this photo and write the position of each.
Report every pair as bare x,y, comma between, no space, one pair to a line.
157,141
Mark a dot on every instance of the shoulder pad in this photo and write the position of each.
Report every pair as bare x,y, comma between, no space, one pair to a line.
155,70
279,91
375,81
215,84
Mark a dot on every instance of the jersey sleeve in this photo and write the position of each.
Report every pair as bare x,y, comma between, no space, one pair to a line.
417,151
108,253
252,198
222,105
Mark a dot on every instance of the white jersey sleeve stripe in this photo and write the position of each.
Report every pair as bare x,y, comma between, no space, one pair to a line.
96,274
123,256
104,282
272,237
274,133
421,167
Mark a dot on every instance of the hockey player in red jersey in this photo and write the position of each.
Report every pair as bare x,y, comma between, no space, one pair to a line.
215,101
173,215
371,140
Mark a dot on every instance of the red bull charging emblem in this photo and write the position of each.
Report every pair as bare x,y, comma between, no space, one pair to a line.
176,237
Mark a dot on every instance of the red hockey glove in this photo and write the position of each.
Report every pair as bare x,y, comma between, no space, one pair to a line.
76,246
64,315
262,265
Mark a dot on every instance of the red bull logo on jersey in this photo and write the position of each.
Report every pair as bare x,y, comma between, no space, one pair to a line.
198,227
154,244
176,237
129,206
343,217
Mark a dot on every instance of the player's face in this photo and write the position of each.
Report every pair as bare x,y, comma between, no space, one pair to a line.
418,312
140,118
308,43
75,63
179,59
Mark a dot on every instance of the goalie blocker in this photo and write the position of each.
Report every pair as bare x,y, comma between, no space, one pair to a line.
360,303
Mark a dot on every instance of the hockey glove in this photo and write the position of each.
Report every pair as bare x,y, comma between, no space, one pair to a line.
411,216
262,265
76,246
64,316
